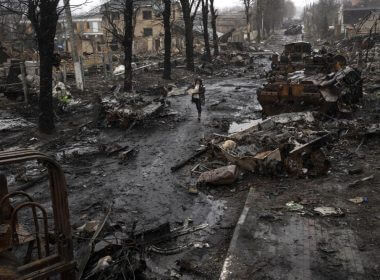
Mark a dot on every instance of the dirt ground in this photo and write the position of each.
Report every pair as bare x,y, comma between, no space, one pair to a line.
142,189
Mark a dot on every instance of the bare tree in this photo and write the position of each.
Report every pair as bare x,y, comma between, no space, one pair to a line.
43,16
290,9
248,4
167,39
259,19
215,39
122,32
189,10
318,16
79,79
205,12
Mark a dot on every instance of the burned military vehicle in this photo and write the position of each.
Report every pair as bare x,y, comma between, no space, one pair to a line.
294,29
300,56
292,58
311,88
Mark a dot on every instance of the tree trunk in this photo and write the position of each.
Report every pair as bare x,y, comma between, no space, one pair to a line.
213,25
248,28
167,40
128,44
79,79
188,34
205,29
46,118
45,30
258,21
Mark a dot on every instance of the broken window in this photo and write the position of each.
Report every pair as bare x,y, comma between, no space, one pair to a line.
147,15
95,26
148,32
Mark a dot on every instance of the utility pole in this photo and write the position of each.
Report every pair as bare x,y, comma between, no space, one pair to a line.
74,51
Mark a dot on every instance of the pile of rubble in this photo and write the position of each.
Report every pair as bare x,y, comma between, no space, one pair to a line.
285,143
124,110
289,144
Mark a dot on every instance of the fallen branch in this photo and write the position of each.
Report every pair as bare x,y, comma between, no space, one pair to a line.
117,150
178,232
89,249
184,162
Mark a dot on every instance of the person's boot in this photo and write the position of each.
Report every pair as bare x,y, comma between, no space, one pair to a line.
199,116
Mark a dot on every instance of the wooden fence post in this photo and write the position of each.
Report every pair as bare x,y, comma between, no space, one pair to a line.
24,82
82,69
104,66
64,74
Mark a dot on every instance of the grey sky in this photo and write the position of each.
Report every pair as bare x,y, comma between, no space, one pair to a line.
219,3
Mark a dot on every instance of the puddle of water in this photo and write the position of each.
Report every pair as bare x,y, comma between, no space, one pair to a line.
237,127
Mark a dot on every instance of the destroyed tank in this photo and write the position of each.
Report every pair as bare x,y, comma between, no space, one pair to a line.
298,56
302,90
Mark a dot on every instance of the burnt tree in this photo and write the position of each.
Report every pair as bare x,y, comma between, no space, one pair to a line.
247,13
259,17
128,44
122,32
205,12
167,40
43,16
215,38
189,11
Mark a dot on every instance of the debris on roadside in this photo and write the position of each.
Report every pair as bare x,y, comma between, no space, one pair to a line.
193,190
268,148
220,176
124,112
359,199
294,207
89,227
294,29
356,183
329,211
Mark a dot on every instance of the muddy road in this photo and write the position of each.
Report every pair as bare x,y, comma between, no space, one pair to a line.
142,189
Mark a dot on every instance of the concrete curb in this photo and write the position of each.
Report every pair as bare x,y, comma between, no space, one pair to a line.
231,250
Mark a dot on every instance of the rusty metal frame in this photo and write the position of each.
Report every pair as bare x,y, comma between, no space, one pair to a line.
63,261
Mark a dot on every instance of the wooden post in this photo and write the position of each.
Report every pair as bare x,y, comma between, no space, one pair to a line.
6,207
24,82
110,62
81,68
64,73
104,66
79,78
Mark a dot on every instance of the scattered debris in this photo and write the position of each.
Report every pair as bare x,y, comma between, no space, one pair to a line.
357,182
229,145
294,207
185,161
89,227
329,211
220,176
193,190
359,199
294,30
